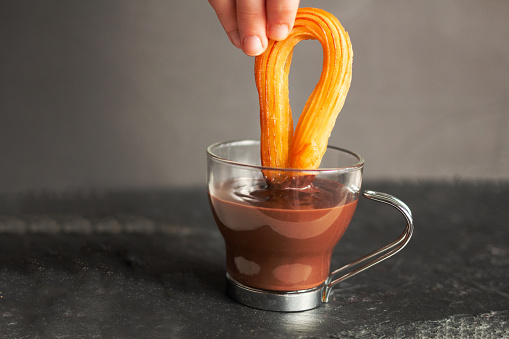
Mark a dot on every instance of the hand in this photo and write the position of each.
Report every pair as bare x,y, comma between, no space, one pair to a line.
250,23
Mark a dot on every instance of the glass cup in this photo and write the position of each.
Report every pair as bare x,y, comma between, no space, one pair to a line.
280,226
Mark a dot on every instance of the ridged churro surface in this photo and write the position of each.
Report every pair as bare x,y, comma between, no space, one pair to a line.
303,148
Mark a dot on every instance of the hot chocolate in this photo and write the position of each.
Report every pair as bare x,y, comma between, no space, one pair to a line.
281,239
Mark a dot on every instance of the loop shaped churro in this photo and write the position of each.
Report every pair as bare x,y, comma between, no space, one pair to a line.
281,147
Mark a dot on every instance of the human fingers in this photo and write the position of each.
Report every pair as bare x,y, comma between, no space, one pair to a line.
226,12
280,17
251,19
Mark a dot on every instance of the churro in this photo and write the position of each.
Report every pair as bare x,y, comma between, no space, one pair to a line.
281,147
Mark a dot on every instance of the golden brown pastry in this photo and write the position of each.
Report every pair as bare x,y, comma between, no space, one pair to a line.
303,149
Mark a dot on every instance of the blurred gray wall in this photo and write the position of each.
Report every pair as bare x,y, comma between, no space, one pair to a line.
104,94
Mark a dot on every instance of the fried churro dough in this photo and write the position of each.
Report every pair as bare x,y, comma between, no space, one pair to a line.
281,147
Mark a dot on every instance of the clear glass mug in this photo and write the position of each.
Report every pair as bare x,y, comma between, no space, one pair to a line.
279,238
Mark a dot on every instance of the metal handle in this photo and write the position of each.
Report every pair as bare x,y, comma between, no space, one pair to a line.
380,254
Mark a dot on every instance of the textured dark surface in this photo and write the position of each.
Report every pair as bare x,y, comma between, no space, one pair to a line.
151,264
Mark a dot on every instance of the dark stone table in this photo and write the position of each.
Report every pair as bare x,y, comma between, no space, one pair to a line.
150,264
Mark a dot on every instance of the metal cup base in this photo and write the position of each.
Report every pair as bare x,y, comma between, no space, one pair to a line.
293,301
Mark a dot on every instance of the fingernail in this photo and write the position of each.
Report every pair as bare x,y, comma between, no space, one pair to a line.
252,45
235,38
278,32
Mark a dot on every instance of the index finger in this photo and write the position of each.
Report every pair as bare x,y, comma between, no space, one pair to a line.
226,12
280,18
251,19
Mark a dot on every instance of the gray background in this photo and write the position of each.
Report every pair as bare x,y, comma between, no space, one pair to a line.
109,94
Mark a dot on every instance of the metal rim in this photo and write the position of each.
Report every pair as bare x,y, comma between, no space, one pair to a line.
292,301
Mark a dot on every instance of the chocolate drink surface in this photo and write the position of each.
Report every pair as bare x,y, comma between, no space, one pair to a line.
281,239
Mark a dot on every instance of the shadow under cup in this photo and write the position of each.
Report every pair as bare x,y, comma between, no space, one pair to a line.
280,237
